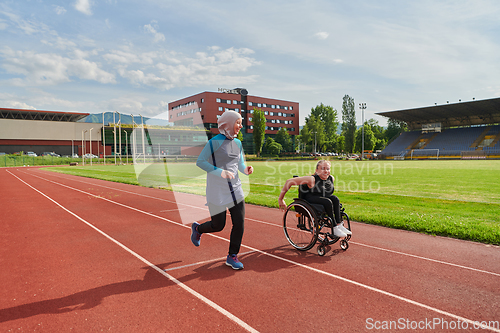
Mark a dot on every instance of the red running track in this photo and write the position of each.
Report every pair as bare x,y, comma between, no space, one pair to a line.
88,255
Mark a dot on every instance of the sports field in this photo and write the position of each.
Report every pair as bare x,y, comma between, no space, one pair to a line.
458,199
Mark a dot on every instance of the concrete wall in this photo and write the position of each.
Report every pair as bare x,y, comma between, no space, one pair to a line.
14,129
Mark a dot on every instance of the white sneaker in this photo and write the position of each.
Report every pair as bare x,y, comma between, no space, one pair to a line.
338,233
344,229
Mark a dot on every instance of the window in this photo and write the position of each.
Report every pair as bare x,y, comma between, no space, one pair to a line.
228,102
265,113
202,100
291,107
220,108
250,104
235,102
264,105
271,113
259,105
286,107
218,100
273,121
286,122
279,114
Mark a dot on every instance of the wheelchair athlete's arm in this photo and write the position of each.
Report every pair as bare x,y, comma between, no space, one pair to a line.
309,180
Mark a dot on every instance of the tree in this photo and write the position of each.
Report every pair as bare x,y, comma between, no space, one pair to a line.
317,131
240,136
394,128
328,117
272,147
378,131
370,139
348,122
259,129
340,144
305,135
283,138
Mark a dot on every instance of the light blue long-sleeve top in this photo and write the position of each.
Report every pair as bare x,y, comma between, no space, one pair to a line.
228,155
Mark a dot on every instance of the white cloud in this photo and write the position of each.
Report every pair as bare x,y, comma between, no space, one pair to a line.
321,35
50,68
59,10
83,6
149,28
204,69
3,24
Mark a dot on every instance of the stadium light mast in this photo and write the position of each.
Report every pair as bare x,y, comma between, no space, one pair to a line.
362,106
90,145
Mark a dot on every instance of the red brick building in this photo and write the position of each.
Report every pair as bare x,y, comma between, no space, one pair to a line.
203,109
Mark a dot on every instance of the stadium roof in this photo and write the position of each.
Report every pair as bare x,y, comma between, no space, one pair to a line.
22,114
450,115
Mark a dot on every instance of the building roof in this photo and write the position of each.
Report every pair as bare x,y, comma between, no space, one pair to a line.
22,114
450,115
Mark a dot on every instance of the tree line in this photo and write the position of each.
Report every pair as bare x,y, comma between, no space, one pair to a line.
320,133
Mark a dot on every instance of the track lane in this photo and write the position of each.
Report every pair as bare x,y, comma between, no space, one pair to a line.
270,244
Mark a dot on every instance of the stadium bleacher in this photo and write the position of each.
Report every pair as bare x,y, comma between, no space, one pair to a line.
451,142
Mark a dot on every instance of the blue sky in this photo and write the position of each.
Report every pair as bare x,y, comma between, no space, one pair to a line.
137,56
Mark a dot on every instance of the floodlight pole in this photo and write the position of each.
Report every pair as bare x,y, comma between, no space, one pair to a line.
114,134
133,138
120,135
362,106
126,143
90,133
83,147
103,141
143,145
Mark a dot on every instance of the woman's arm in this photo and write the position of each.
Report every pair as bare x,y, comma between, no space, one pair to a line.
309,180
206,155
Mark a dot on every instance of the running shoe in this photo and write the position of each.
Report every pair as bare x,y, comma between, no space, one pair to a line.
338,233
344,229
195,235
232,260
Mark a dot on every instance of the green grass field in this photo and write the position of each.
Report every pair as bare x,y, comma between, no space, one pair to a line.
459,199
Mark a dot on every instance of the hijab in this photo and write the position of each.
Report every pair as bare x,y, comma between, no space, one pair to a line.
226,123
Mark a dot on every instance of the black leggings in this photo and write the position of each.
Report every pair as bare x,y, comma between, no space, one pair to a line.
331,204
218,223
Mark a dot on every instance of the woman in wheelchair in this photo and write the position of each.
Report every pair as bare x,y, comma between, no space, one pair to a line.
318,189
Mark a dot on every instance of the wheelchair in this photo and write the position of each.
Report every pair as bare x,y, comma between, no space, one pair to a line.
305,223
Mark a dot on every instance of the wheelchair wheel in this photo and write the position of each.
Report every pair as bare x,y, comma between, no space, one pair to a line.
299,227
321,250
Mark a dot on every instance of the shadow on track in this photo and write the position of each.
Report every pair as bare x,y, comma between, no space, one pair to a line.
89,298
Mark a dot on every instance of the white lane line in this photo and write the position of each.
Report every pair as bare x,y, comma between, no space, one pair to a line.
199,296
280,226
380,291
425,258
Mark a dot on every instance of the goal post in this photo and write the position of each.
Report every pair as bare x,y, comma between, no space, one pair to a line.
424,153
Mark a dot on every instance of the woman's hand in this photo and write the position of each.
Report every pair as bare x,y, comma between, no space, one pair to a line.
282,204
227,174
248,170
